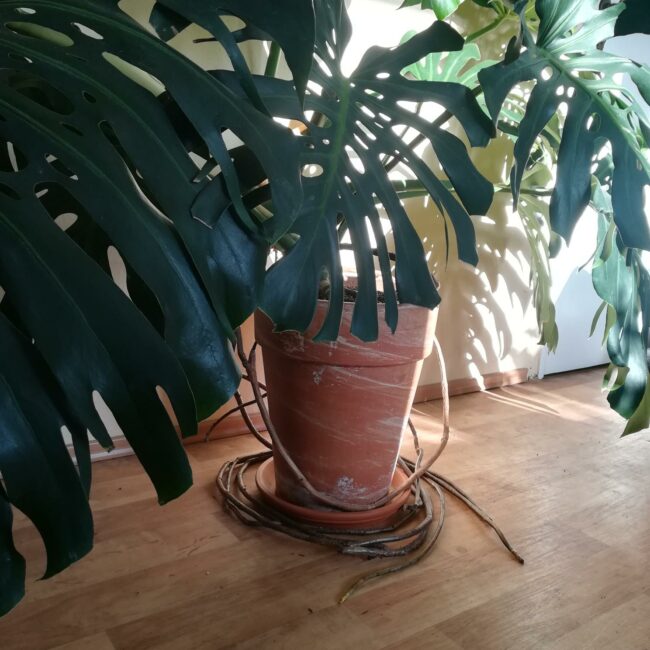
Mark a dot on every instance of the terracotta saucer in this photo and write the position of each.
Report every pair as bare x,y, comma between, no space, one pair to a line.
376,518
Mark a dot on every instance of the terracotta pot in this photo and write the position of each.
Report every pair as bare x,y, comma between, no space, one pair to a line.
340,408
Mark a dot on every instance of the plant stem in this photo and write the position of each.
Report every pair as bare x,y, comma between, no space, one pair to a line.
488,28
530,191
273,60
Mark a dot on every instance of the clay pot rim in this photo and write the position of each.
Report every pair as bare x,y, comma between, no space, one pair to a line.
389,349
265,481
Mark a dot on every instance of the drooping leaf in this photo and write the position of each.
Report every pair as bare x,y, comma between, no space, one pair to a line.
50,493
623,282
567,66
61,295
106,127
12,564
534,218
289,23
137,149
345,147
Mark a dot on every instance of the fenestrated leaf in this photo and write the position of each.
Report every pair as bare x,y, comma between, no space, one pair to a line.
635,19
61,295
123,45
461,66
289,23
567,66
138,149
50,492
357,131
95,114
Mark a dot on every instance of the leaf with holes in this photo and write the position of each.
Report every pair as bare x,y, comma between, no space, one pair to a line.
57,503
115,161
567,67
69,72
353,129
461,66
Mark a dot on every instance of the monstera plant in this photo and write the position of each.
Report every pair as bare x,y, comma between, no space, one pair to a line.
116,146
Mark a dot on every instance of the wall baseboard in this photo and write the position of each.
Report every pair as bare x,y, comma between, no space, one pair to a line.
233,426
465,385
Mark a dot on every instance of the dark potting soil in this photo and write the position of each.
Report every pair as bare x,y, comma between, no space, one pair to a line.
349,294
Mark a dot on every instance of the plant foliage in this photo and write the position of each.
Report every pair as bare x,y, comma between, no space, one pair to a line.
105,125
355,130
567,67
118,152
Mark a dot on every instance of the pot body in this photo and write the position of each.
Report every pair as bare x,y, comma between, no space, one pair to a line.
340,408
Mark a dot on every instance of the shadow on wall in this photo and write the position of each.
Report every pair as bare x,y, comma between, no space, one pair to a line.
487,319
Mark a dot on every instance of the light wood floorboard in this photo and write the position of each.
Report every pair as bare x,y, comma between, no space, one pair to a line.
544,458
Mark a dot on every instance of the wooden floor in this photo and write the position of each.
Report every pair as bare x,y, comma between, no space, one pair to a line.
544,458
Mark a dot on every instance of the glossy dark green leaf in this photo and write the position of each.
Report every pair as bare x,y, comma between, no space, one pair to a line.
139,150
12,564
346,182
289,23
104,123
62,295
50,493
567,66
635,19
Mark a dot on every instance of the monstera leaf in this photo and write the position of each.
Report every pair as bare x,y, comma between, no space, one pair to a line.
353,127
567,66
114,151
461,66
622,281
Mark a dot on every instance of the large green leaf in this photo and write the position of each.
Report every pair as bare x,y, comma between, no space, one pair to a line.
105,124
464,66
567,66
461,66
360,116
61,295
51,493
622,281
289,23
